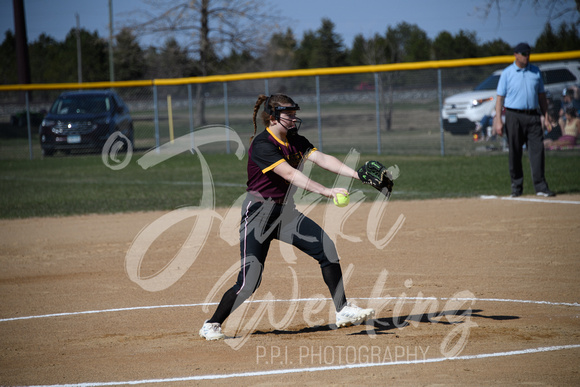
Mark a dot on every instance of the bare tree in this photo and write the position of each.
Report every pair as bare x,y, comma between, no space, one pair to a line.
554,9
208,29
403,43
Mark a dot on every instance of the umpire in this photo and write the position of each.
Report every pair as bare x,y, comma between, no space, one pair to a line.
521,91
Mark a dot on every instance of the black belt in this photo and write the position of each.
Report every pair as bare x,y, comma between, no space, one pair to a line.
531,112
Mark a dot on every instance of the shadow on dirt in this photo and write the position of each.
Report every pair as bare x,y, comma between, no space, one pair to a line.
383,325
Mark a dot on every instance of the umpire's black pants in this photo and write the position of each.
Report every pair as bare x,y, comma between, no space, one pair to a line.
524,128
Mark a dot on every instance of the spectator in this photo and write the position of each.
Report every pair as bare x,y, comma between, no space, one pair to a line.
571,99
553,130
484,128
571,131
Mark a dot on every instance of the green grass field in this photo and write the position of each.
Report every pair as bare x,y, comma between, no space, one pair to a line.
82,184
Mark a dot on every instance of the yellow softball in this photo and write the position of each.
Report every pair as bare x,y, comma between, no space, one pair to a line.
341,200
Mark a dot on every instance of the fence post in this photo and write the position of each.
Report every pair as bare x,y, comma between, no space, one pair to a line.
156,116
439,96
378,113
190,107
227,122
170,118
28,123
318,112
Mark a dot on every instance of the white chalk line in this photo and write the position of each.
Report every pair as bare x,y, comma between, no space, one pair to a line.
575,304
311,369
535,200
326,368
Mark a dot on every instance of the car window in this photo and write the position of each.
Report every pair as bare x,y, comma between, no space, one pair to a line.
82,104
558,76
98,104
61,106
489,84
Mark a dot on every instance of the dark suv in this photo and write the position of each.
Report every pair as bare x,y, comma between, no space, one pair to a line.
84,120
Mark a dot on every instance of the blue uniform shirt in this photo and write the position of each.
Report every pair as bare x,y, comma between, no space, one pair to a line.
520,87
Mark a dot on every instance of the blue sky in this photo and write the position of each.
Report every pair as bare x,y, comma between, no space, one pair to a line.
367,17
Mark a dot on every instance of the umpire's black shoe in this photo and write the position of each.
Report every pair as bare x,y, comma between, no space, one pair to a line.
515,194
546,193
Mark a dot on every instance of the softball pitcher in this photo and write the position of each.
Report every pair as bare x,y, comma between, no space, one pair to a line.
268,212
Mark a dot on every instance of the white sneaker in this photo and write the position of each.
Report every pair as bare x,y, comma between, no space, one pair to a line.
546,193
352,314
211,331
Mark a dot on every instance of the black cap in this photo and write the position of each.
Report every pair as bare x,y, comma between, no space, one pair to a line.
522,47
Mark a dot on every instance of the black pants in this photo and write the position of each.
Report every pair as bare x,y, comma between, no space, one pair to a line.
264,221
526,129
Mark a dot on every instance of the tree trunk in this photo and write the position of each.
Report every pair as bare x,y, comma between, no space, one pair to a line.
203,61
387,106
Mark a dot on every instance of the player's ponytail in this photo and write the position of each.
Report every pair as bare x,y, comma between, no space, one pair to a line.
259,102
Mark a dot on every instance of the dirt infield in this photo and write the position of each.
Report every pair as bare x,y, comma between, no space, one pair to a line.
467,292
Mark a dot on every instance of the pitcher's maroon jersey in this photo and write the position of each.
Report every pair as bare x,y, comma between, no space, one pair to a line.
266,152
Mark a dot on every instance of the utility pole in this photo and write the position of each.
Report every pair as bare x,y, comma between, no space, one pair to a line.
111,65
79,54
22,58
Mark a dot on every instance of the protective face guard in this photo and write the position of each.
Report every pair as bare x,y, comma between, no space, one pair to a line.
276,110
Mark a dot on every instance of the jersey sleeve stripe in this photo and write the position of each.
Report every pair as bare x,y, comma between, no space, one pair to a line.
307,155
268,169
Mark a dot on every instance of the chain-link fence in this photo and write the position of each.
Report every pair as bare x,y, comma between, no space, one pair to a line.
388,109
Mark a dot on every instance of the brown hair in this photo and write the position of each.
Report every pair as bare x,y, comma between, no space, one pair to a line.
273,101
571,111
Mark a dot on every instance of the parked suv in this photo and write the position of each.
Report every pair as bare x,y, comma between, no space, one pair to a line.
462,111
84,120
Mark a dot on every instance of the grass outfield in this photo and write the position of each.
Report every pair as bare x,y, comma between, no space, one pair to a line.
82,184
